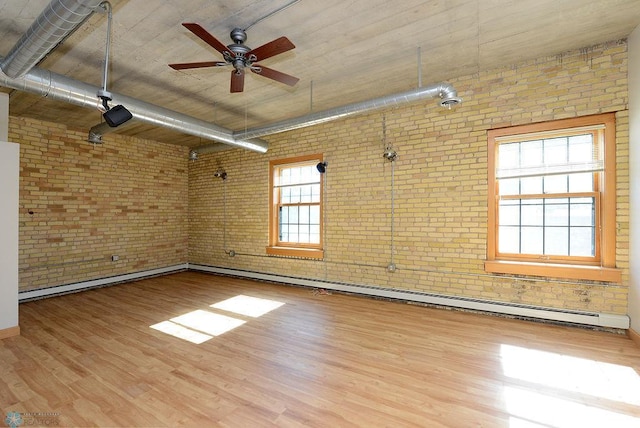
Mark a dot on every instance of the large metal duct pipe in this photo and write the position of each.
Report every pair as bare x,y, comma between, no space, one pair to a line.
56,22
444,91
61,88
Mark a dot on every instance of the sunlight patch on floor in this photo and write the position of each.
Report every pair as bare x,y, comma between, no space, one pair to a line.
208,322
555,390
199,325
536,408
246,305
567,373
181,332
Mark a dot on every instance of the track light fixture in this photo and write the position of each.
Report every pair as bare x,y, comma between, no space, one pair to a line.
117,115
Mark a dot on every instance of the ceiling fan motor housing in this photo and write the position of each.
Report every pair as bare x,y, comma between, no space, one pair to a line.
238,35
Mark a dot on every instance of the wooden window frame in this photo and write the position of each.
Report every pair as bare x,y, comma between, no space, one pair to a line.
302,250
604,268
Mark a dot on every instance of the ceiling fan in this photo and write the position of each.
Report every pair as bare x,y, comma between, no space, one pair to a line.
241,56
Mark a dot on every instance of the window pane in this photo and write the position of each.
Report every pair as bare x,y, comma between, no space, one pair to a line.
295,175
293,233
556,212
285,177
581,148
555,151
284,215
305,193
285,195
532,240
293,215
284,232
582,182
583,212
509,215
532,214
582,241
531,153
531,185
315,193
509,239
509,156
509,186
556,241
555,184
303,233
303,217
306,174
314,214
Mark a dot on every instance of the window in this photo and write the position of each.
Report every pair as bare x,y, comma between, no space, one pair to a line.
295,226
552,199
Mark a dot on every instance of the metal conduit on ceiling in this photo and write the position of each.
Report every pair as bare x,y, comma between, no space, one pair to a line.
444,91
59,19
62,88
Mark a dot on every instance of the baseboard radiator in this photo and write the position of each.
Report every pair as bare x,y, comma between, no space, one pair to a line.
40,293
510,309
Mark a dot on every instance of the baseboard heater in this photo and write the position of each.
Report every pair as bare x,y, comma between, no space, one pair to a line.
512,309
39,293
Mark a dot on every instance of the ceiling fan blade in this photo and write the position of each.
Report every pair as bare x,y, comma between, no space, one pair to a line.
237,81
186,65
208,38
272,48
275,75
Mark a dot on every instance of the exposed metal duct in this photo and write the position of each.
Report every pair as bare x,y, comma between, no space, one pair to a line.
96,132
444,91
53,25
62,88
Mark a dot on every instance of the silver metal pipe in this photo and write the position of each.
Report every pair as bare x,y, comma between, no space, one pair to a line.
444,91
59,19
105,72
61,88
97,131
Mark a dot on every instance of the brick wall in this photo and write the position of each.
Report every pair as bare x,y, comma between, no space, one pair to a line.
80,204
440,187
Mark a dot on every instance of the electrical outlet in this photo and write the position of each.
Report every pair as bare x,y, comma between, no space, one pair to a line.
115,258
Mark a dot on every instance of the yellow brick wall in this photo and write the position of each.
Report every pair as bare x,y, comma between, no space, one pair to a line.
126,197
440,187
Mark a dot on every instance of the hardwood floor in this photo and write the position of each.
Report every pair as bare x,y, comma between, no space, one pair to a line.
317,360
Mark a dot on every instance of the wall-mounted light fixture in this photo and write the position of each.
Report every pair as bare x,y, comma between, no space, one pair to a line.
220,173
322,167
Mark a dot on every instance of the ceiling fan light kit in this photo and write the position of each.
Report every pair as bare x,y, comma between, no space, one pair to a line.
241,56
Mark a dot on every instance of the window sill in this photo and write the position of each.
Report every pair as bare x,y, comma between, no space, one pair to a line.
306,253
592,273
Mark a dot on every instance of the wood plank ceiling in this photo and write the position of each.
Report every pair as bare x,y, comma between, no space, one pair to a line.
346,51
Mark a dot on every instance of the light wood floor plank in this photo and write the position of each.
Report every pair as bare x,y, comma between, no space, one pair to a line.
319,360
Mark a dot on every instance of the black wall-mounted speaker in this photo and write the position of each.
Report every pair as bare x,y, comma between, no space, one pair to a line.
117,115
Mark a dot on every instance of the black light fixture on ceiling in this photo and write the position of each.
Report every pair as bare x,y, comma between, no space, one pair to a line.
114,116
321,167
